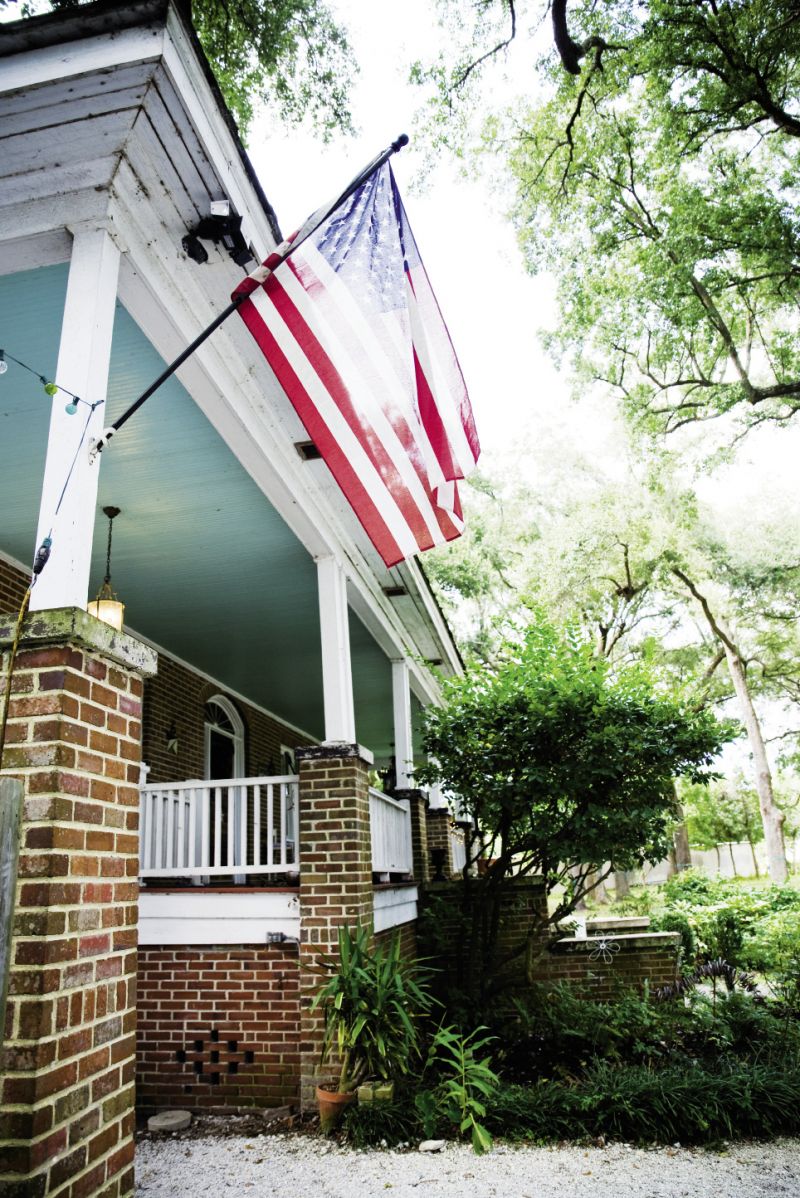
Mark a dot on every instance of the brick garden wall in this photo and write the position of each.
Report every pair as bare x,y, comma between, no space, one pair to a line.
218,1027
628,961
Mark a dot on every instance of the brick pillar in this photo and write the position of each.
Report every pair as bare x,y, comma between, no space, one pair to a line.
335,875
417,802
74,738
438,828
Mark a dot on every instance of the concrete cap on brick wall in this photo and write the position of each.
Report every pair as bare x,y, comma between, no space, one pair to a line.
626,942
72,625
333,750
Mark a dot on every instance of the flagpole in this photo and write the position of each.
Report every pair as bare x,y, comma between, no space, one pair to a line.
96,447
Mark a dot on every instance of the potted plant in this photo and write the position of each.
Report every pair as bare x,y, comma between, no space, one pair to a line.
373,1000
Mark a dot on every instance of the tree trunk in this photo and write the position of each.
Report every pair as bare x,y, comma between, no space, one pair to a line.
622,886
680,838
771,815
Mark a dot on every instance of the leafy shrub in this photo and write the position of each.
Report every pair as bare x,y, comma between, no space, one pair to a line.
676,921
685,1102
463,1083
725,936
367,1124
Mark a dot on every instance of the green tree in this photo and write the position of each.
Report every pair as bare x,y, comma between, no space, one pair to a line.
292,55
565,766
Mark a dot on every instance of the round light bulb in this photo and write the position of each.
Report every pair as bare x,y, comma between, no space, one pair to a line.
51,388
70,408
3,364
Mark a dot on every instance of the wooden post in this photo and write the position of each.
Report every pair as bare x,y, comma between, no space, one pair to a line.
337,679
10,814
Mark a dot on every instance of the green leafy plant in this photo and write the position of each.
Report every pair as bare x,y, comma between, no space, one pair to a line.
465,1083
373,1000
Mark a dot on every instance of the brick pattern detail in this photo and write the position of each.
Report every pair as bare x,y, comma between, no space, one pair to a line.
419,833
13,585
218,1028
408,938
438,837
177,695
335,880
66,1106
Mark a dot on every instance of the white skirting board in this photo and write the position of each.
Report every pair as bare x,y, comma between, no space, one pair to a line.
195,916
393,906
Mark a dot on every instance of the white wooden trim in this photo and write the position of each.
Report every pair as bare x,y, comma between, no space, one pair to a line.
48,63
83,361
403,736
208,917
392,906
337,679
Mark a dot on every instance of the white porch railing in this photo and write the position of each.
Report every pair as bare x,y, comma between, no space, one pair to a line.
390,825
228,826
458,849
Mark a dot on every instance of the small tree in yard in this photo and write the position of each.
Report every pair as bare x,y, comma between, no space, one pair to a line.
566,767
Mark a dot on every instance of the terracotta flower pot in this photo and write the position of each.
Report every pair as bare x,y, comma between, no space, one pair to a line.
332,1105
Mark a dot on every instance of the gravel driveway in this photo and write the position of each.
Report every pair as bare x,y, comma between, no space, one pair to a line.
291,1166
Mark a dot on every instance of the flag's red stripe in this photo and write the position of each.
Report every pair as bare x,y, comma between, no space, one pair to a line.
341,396
372,446
349,482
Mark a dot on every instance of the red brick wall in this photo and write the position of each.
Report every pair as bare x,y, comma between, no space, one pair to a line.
177,695
66,1110
13,585
240,1004
408,938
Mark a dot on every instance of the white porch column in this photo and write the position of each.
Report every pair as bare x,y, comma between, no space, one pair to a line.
403,736
83,359
337,678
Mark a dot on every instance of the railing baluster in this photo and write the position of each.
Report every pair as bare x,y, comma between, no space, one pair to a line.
270,827
205,827
231,828
180,832
159,847
243,792
256,825
217,827
295,821
170,813
191,853
283,823
143,857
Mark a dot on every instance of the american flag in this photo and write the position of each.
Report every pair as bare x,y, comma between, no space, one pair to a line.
351,327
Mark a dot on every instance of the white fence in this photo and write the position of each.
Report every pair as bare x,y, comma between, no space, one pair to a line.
728,860
390,825
228,826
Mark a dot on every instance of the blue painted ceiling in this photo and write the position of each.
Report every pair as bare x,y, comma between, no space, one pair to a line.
206,567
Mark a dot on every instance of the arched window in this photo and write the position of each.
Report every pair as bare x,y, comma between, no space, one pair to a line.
224,739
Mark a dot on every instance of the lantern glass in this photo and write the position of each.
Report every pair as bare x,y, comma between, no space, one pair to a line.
110,611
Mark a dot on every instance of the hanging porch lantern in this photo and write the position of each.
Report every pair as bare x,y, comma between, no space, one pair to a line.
106,606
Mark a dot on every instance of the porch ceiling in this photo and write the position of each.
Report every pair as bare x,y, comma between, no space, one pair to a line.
207,568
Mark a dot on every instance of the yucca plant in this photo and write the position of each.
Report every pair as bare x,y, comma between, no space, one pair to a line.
374,1000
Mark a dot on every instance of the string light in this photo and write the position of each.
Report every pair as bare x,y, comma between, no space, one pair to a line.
50,387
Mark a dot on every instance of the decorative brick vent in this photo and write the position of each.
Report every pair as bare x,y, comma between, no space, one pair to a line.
211,1056
218,1027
